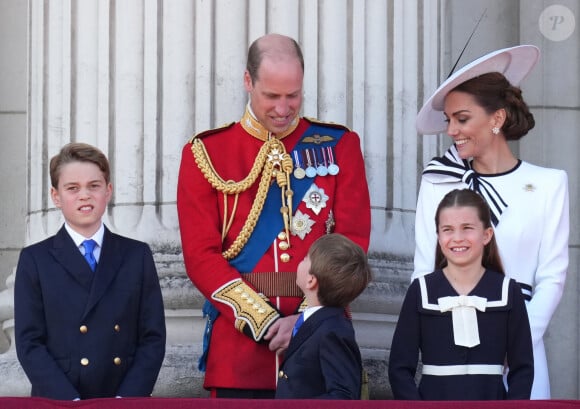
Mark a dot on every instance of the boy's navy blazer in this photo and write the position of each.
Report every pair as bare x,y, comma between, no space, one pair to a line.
323,360
84,334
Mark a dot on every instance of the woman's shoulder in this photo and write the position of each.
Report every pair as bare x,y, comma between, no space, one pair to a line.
543,180
542,171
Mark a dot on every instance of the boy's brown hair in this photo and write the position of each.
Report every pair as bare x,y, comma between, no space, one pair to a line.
341,268
78,152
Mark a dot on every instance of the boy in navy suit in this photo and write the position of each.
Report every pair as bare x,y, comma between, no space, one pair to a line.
88,310
323,360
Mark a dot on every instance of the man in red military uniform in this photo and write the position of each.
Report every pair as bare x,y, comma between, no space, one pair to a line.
251,198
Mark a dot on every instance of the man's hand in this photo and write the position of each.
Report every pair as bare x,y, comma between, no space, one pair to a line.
280,332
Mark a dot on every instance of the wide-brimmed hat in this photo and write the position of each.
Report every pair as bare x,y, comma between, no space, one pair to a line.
514,63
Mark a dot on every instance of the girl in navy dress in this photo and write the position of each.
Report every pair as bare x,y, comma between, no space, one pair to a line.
466,320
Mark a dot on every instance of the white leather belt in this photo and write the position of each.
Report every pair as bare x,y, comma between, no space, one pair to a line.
448,370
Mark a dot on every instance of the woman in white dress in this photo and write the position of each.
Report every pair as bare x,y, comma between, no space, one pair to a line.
481,108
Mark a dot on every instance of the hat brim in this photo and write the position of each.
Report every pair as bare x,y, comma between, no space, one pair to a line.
514,63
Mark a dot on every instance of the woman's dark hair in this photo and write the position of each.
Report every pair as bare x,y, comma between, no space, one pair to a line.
492,91
468,198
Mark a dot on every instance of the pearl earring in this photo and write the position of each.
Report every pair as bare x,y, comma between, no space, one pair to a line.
495,130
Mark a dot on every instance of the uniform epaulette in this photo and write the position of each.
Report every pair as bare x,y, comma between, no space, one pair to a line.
211,131
330,124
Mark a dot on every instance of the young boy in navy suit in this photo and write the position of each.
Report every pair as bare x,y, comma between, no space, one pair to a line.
88,311
323,360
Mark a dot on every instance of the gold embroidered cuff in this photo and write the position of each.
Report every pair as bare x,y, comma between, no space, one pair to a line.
251,310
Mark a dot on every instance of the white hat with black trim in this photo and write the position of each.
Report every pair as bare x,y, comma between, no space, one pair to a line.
515,63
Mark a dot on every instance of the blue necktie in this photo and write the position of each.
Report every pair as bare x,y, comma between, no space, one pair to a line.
89,246
298,324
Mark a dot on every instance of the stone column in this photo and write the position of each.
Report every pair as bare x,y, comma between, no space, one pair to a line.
115,74
553,93
13,105
14,382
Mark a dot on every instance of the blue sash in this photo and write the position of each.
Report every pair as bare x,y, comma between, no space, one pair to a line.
269,224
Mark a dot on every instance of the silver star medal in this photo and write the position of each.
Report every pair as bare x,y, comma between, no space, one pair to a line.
315,198
301,224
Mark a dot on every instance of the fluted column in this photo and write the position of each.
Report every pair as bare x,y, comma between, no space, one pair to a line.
118,75
553,93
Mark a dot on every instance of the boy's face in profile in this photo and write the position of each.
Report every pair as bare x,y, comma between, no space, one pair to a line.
303,276
82,195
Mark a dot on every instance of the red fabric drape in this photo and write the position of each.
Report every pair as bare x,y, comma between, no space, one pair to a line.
202,403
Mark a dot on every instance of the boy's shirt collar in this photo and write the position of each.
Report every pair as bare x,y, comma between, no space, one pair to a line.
311,310
79,238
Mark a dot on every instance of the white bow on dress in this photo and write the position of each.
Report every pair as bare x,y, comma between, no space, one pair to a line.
462,307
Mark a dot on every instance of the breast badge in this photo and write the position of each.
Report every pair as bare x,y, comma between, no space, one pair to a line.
301,224
315,199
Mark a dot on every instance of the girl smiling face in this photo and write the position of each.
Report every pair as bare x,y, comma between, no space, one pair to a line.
462,236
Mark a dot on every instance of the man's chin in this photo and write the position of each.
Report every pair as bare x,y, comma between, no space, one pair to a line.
278,129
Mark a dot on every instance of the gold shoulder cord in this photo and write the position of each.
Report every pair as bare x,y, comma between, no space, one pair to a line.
271,161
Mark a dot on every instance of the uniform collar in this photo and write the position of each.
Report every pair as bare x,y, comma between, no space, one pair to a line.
257,130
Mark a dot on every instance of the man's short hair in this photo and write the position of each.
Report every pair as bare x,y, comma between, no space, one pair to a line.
257,51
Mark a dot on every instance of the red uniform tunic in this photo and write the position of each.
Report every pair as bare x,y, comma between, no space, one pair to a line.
236,360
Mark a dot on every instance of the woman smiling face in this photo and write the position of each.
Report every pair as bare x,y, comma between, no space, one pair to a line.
469,125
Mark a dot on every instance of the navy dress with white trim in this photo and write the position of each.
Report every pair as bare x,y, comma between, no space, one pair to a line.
458,372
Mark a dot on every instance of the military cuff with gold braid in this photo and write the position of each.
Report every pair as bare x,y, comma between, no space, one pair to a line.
252,311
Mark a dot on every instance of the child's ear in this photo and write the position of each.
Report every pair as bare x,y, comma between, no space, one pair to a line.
312,282
109,191
487,235
54,196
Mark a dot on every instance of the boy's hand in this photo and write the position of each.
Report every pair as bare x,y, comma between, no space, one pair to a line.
280,332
